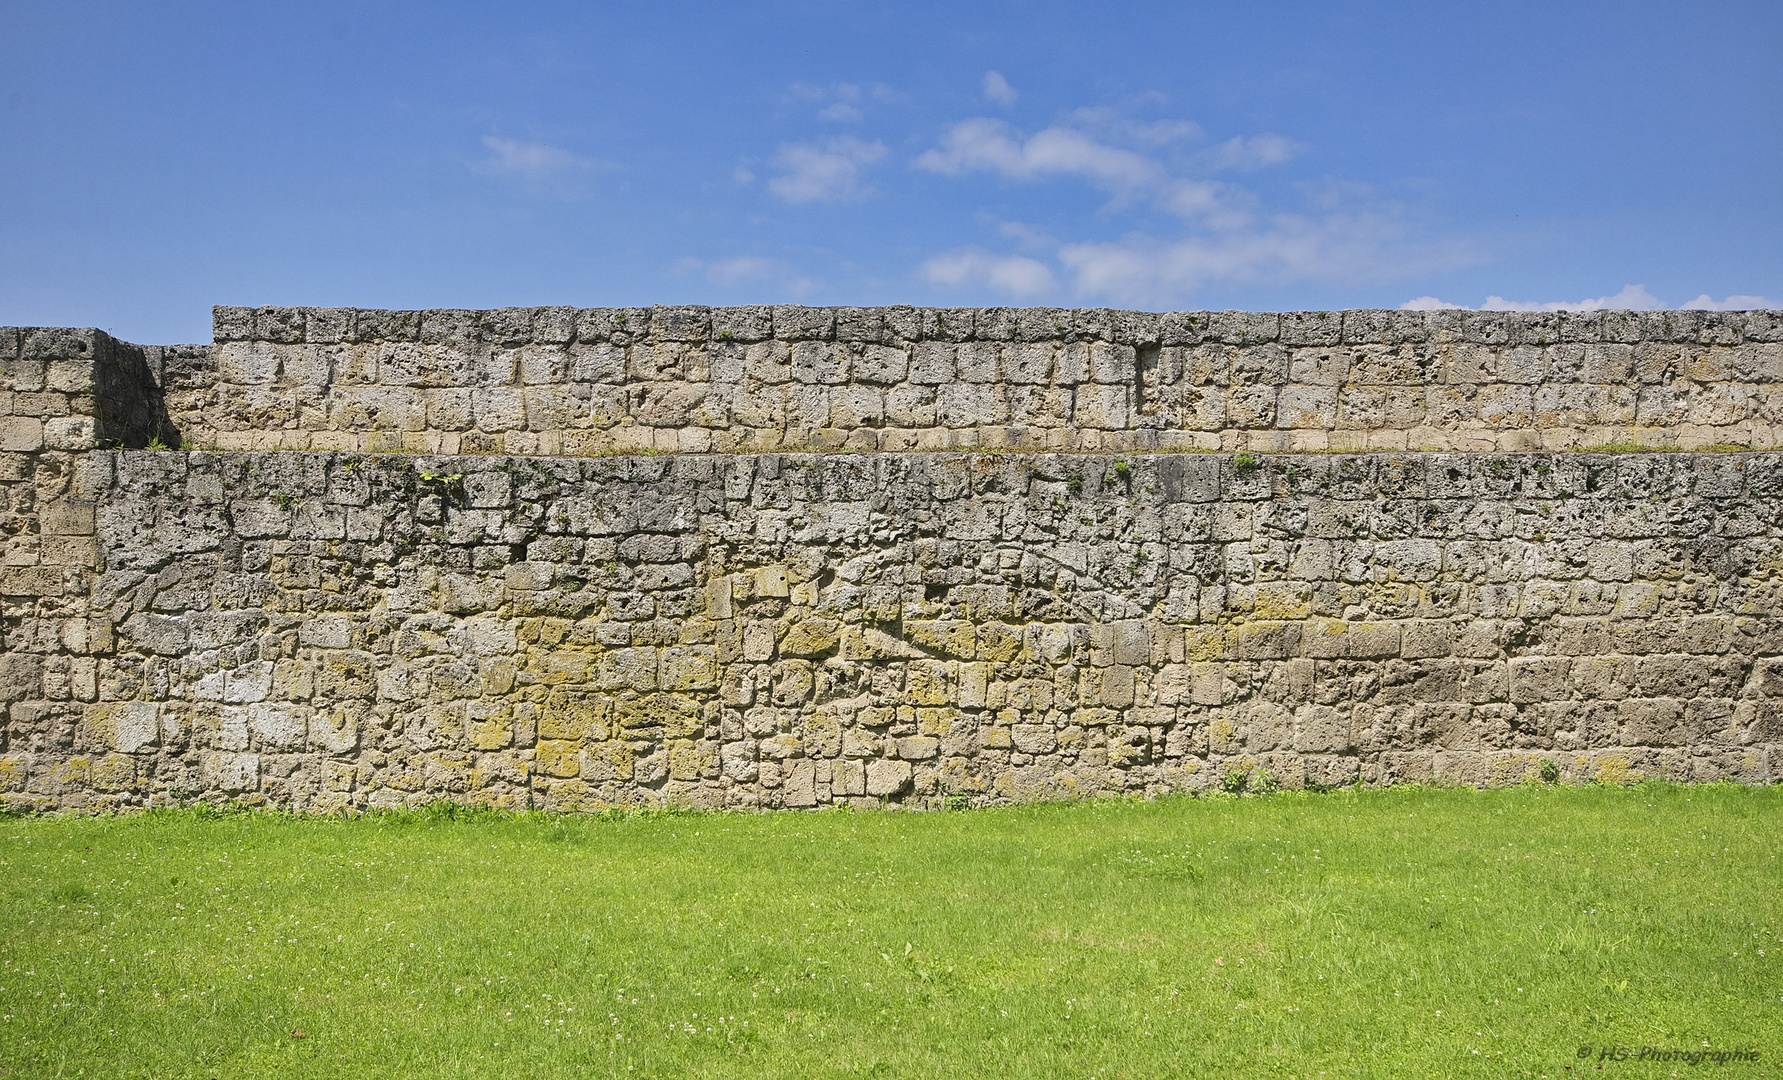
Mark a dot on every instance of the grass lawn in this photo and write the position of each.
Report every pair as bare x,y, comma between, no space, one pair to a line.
1401,932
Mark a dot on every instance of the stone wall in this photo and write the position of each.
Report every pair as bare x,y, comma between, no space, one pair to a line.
362,626
740,380
322,630
67,389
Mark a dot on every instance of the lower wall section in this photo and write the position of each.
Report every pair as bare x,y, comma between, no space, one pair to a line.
323,631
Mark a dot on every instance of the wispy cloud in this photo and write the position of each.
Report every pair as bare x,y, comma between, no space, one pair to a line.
741,271
1026,237
1227,234
1631,298
988,145
830,171
997,89
842,102
537,168
1118,125
1350,247
1012,275
1431,303
1246,153
534,161
1733,303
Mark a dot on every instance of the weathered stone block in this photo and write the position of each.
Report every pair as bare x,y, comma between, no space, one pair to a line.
887,778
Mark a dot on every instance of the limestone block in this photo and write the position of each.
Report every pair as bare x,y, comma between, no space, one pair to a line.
278,726
64,433
691,667
1102,406
231,772
499,408
887,778
911,406
857,406
21,433
849,778
335,730
823,362
932,364
125,726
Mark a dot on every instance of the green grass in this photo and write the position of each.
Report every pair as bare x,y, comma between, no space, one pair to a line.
1403,932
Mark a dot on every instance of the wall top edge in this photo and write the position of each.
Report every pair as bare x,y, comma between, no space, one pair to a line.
516,327
1242,460
66,342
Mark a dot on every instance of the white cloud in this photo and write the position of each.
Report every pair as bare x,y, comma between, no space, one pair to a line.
1348,247
841,101
986,145
1631,298
740,271
1026,236
997,88
529,161
1732,303
1431,303
1014,275
741,268
539,168
1246,153
826,172
1228,234
1114,124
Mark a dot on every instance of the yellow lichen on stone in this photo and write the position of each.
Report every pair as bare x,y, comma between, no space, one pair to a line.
692,667
958,777
823,734
125,726
1513,769
573,715
447,770
1614,769
999,642
492,730
772,581
114,772
559,757
811,638
690,760
14,768
677,716
944,637
613,760
74,771
935,720
1204,642
927,683
1282,602
565,666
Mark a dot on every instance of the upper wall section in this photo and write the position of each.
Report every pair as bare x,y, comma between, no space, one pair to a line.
70,389
694,380
566,381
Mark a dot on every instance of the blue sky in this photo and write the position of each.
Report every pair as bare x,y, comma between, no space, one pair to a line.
161,158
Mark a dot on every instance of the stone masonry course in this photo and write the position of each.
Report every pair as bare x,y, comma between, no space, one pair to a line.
794,557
